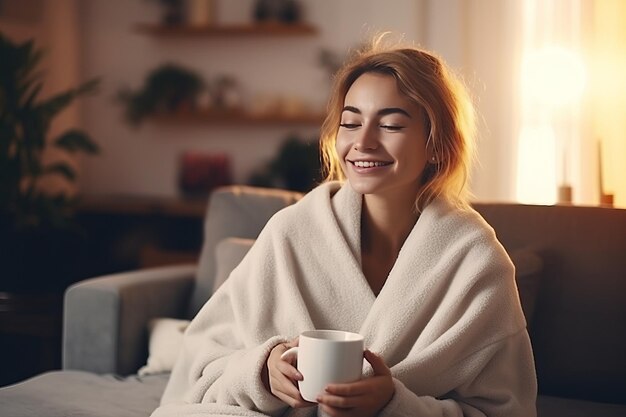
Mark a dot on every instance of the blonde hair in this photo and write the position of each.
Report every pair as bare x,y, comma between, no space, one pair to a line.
449,115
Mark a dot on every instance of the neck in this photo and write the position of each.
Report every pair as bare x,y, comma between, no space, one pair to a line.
386,223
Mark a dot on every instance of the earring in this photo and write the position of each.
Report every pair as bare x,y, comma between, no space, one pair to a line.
433,159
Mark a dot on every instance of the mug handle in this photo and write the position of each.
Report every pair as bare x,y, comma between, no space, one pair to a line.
291,353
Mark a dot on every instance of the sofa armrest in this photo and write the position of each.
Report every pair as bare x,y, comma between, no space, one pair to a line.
105,318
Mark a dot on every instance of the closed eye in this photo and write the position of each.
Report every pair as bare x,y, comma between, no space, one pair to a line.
392,128
349,125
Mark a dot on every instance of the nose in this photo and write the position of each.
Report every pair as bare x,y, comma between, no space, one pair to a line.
366,139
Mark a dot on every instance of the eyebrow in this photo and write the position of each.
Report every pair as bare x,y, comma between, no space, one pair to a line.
381,112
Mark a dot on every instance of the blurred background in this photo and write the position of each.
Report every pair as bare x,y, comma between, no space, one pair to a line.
148,105
534,67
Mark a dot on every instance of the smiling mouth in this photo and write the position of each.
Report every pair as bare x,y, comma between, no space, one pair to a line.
369,164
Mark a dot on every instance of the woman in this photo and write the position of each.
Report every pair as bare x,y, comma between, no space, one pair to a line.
393,253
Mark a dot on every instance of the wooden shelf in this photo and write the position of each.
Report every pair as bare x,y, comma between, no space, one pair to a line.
230,30
240,118
143,205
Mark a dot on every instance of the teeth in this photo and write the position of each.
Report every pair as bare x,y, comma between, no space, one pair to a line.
368,164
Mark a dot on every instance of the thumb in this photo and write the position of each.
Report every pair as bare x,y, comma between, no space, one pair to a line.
292,343
377,362
286,354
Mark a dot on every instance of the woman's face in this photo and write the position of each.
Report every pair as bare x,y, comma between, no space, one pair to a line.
381,140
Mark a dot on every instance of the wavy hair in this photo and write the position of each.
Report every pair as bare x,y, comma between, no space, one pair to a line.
449,115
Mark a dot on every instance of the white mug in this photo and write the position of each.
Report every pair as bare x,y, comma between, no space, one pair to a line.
325,357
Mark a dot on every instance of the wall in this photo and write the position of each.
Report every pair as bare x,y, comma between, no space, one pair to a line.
476,38
144,160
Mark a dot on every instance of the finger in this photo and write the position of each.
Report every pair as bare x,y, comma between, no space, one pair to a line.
287,369
337,412
342,402
289,363
365,387
351,389
293,402
284,389
281,383
377,362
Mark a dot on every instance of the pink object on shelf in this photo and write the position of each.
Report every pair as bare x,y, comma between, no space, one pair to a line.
201,172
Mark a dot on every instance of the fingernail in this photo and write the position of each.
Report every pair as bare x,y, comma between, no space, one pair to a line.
299,376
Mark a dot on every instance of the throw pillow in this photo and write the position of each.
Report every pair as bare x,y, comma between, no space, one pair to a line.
528,269
166,338
166,334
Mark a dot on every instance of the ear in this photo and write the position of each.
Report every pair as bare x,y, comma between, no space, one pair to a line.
431,155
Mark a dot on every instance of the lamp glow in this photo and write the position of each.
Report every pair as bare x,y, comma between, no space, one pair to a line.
554,76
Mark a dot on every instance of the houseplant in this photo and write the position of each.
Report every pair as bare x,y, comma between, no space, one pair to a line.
167,88
29,215
173,12
296,166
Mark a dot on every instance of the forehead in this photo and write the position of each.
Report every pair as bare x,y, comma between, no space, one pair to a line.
375,89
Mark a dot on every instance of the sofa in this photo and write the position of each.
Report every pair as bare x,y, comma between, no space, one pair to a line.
570,270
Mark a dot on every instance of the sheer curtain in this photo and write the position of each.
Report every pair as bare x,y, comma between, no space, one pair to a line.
571,144
553,79
607,96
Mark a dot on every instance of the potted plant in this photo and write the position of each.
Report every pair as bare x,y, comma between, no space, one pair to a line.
173,12
296,167
29,217
168,88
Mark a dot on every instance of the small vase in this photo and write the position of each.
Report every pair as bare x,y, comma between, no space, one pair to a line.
173,13
289,11
263,10
565,194
200,12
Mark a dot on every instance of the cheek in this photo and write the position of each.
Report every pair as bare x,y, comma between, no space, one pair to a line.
342,147
413,158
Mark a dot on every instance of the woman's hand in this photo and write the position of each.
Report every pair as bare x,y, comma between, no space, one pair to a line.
363,398
283,377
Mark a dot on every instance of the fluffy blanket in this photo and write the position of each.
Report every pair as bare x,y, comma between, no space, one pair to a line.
448,321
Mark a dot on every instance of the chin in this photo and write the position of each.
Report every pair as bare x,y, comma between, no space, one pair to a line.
363,186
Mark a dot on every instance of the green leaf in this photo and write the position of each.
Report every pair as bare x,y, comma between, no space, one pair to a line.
61,168
25,119
55,104
90,86
75,140
29,56
33,88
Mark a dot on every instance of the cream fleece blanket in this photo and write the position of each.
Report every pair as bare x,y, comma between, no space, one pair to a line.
448,321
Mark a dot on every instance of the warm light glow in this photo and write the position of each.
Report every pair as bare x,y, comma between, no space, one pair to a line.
553,79
607,87
536,173
553,75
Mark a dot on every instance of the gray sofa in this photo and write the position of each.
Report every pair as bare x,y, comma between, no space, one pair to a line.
571,273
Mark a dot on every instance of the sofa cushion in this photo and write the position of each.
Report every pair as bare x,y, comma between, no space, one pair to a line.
578,332
166,334
528,268
77,393
548,406
235,211
228,253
